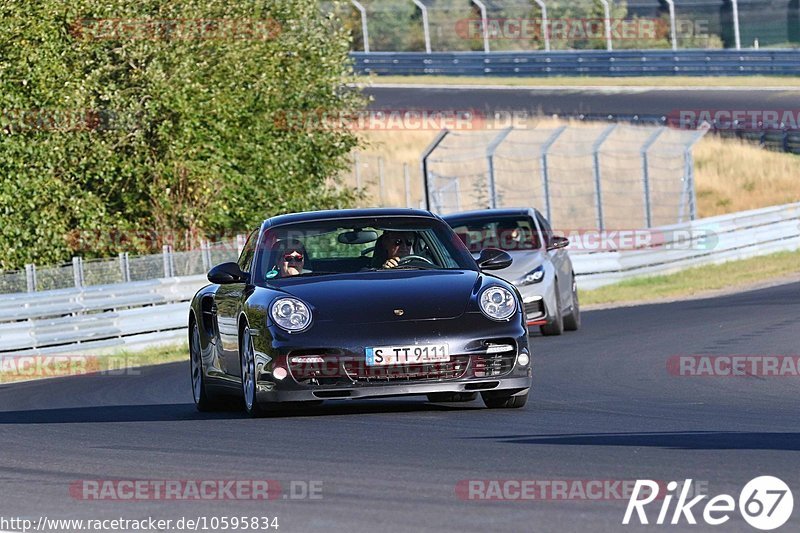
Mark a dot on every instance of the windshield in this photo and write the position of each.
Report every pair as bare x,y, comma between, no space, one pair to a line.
342,246
507,233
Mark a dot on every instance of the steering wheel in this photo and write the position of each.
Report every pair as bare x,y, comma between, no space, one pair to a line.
409,258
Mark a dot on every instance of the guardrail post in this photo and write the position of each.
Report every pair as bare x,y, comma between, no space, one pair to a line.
77,271
169,267
30,277
490,161
124,267
423,163
648,213
545,172
597,177
425,27
407,181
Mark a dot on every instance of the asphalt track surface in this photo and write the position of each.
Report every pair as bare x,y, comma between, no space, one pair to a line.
579,100
603,407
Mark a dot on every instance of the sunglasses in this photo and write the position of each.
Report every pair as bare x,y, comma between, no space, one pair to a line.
293,257
398,242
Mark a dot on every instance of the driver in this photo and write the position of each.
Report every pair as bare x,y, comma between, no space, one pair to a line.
391,247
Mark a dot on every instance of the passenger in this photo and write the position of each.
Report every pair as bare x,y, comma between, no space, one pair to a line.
391,247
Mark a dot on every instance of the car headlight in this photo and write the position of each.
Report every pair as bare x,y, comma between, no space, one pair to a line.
291,314
534,276
498,303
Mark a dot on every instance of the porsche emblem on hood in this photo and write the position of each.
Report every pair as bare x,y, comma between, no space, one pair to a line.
399,312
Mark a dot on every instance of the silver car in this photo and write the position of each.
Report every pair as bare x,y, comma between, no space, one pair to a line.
542,270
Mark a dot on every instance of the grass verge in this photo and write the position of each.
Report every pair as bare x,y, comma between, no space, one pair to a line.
697,281
789,82
29,367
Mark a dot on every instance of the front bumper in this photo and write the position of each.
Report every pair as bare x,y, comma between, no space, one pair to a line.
484,357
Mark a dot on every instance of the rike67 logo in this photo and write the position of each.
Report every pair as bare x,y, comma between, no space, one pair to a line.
765,503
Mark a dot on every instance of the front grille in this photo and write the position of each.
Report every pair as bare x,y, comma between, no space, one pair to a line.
453,369
484,366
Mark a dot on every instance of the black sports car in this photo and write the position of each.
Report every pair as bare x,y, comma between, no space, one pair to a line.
357,304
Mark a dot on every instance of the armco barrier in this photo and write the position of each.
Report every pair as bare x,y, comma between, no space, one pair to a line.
145,313
781,62
735,236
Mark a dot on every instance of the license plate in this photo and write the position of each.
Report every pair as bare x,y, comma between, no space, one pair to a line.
407,355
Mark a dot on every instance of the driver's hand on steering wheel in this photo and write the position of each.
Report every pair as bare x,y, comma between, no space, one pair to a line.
392,262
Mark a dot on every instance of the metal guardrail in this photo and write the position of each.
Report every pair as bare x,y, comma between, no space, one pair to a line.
736,236
781,62
69,321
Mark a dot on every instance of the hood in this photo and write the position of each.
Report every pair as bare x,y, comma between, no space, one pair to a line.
524,262
366,297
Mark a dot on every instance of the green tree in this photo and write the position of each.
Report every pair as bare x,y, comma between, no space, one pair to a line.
179,122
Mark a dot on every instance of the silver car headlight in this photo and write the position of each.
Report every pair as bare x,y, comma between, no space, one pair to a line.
290,314
534,276
497,303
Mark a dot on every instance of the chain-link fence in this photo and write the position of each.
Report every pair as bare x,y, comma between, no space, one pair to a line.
602,177
384,183
524,25
122,269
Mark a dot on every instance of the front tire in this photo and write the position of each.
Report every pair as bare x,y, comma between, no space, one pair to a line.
504,401
248,361
572,322
202,399
556,326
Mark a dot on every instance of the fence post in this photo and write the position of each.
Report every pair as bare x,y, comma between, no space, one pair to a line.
545,24
358,170
648,212
381,197
124,267
364,29
169,268
597,177
736,37
545,172
484,23
241,240
205,253
688,192
77,271
672,32
426,30
407,180
30,277
423,163
607,23
490,161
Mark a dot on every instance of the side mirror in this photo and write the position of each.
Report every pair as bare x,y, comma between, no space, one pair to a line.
558,242
494,259
227,273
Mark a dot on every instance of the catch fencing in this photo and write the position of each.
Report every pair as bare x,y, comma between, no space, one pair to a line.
600,177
